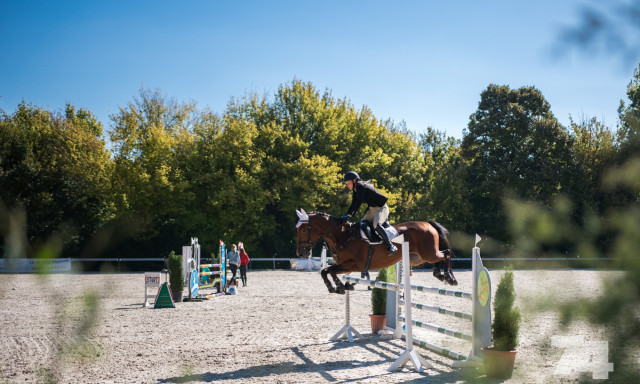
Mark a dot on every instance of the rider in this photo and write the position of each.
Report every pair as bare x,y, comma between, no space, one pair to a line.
377,210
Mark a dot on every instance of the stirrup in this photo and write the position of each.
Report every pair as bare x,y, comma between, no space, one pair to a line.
392,249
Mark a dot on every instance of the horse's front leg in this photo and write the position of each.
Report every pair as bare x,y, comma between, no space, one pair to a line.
324,273
340,288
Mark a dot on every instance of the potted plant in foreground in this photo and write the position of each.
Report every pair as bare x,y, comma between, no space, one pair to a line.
499,359
379,304
176,279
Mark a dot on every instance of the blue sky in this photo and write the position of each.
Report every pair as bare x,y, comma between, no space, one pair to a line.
424,62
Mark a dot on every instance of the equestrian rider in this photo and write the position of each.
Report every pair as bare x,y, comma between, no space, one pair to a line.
377,211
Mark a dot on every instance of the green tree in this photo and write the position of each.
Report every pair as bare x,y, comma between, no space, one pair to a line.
628,134
149,136
444,192
56,167
513,144
594,152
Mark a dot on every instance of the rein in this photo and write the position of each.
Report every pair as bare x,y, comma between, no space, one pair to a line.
329,235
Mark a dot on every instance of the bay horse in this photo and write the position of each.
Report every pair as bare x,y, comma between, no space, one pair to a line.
350,253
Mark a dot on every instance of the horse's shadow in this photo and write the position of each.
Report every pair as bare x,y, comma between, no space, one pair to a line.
388,352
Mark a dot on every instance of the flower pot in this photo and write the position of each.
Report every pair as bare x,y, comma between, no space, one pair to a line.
177,296
377,322
498,364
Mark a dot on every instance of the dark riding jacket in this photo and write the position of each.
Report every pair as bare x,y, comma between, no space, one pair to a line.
365,193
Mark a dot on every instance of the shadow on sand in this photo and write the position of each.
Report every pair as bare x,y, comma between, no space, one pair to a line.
326,371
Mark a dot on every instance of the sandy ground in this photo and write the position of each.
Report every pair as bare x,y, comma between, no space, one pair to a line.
276,330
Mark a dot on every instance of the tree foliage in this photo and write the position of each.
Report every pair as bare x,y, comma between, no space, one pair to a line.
514,144
56,168
176,171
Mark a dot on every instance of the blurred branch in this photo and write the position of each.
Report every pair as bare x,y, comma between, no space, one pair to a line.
608,28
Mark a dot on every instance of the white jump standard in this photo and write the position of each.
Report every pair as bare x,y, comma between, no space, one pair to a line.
480,317
409,354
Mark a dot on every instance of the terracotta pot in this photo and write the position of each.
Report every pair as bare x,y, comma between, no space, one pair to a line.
377,322
498,364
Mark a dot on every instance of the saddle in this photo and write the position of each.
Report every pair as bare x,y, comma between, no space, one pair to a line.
368,234
364,231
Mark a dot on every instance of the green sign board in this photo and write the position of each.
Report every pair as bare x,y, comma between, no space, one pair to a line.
163,298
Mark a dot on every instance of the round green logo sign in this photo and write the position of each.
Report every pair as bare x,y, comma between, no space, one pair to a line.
483,288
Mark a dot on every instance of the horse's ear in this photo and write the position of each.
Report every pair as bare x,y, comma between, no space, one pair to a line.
302,215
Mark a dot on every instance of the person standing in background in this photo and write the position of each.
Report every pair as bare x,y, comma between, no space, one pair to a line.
244,262
233,258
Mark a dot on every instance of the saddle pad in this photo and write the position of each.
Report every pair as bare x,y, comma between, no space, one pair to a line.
391,231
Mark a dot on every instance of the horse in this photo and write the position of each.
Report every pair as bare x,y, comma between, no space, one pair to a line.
350,253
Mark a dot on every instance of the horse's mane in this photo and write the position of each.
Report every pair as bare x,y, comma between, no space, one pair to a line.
331,217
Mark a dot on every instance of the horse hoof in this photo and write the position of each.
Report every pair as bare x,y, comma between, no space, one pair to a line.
340,290
332,290
349,287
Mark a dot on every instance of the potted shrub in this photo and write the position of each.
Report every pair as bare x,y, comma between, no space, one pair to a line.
378,314
499,359
176,278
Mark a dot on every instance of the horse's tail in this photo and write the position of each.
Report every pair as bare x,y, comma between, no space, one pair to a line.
442,233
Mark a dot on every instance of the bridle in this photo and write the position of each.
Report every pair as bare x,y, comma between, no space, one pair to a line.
307,243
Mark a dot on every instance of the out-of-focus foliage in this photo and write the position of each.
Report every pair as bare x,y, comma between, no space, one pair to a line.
601,221
536,230
605,28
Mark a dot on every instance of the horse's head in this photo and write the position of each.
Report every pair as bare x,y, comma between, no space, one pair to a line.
311,227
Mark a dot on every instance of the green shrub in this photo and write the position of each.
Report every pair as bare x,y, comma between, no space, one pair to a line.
176,279
506,321
379,295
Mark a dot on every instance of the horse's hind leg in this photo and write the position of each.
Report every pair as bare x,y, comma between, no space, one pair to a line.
324,273
448,270
436,271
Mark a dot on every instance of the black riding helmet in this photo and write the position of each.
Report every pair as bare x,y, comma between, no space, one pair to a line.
350,176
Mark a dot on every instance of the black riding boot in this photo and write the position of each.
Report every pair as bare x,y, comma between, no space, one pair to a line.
383,234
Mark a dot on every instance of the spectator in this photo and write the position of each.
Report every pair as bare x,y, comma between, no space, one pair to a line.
233,258
244,261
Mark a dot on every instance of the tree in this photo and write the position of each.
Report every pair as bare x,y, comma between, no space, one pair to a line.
148,136
283,172
56,167
513,144
443,192
628,135
594,152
